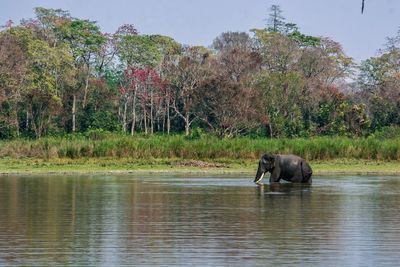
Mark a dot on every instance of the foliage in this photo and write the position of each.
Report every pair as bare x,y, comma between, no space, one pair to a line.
388,132
60,74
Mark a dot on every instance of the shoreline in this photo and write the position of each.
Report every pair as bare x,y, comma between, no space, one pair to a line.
29,166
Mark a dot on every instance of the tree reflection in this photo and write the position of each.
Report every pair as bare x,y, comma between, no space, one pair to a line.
124,220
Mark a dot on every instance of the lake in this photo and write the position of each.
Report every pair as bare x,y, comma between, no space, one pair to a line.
198,220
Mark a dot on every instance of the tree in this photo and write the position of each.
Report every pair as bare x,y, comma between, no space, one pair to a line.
13,71
235,55
141,55
47,20
230,40
144,86
139,51
185,80
170,51
373,72
284,95
100,111
276,22
85,40
304,40
227,106
379,81
278,52
49,70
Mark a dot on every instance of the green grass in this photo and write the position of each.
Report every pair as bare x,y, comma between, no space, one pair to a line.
110,165
205,148
164,153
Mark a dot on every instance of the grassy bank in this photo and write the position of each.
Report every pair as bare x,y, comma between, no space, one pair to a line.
110,165
116,153
204,148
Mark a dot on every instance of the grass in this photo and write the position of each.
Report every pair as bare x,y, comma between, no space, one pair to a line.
110,165
111,153
205,148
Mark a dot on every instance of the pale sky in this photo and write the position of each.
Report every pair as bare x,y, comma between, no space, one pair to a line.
198,22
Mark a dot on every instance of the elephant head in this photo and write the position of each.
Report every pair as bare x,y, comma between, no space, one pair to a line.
266,164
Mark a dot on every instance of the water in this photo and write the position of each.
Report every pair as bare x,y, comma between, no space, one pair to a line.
198,221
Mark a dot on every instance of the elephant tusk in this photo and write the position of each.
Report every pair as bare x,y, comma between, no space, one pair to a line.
262,175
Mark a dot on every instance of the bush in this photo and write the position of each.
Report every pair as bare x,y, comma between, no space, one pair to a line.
96,134
389,132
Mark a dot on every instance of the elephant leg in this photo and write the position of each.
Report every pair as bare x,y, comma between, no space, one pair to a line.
297,176
271,180
275,176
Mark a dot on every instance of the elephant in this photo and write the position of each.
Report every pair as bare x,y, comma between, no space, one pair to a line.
290,168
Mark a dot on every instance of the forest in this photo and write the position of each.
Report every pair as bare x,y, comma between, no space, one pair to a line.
61,75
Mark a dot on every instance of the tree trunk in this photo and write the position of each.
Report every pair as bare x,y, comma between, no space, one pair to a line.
145,120
27,120
34,126
133,113
124,116
86,88
163,120
187,124
73,113
270,130
151,114
168,119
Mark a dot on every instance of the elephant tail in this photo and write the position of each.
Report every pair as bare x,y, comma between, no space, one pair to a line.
306,171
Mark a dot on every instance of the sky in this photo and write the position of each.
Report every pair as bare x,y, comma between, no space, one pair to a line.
198,22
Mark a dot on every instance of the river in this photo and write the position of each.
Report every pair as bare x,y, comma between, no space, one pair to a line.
198,220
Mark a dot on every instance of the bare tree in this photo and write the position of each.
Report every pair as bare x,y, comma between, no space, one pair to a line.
187,74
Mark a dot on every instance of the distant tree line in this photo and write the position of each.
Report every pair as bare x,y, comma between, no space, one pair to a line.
60,74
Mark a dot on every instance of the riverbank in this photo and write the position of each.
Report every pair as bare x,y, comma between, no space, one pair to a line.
111,165
99,152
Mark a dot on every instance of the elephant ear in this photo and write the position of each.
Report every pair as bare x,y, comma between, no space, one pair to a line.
264,159
268,158
272,158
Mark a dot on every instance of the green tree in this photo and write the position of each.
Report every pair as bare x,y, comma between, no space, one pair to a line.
283,95
13,71
138,51
50,70
379,81
85,40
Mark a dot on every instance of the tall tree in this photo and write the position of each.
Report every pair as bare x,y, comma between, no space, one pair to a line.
139,51
230,40
13,71
187,74
235,55
170,51
278,52
276,21
85,40
50,70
